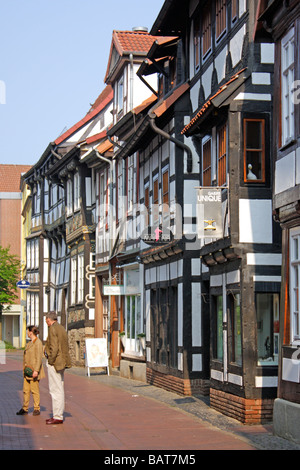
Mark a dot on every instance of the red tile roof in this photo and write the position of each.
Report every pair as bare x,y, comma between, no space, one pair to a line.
103,100
10,177
132,42
208,103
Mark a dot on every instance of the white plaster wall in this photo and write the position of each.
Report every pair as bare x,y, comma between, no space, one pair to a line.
255,221
285,173
236,45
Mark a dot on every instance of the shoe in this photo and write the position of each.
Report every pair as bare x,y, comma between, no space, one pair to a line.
54,421
22,412
36,412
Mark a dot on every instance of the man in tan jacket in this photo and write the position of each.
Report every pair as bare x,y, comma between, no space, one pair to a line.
58,359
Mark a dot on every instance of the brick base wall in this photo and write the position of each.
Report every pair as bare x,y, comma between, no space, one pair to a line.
248,411
176,384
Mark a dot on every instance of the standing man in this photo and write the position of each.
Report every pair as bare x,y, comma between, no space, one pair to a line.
57,354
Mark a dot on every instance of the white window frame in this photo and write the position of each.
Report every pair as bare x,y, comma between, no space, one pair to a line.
73,279
287,81
120,95
295,285
69,197
76,192
130,184
120,190
80,291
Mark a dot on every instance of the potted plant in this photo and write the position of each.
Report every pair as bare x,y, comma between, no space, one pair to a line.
142,338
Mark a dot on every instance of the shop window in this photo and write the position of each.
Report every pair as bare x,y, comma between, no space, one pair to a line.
164,326
218,320
267,314
235,329
254,150
132,321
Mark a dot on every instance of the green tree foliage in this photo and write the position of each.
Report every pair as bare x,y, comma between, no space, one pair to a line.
9,273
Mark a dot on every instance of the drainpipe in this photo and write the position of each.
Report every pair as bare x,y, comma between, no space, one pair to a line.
110,240
172,139
131,82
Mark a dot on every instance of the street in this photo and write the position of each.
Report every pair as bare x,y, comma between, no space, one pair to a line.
100,415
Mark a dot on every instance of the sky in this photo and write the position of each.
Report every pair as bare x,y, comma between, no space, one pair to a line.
53,59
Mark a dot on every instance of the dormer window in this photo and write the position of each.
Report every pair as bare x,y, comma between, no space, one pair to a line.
120,95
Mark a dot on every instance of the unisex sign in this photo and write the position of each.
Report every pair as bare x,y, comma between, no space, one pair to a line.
209,213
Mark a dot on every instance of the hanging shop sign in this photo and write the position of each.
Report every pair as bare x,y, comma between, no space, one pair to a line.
113,290
160,235
23,284
209,213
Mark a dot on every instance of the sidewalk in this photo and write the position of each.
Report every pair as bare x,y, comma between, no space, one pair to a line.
114,414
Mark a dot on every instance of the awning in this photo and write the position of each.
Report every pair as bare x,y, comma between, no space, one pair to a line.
221,98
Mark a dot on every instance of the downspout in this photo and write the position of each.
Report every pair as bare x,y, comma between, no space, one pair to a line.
110,240
131,82
164,134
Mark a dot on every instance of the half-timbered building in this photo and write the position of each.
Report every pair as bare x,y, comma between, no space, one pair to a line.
231,112
119,281
280,22
153,256
61,246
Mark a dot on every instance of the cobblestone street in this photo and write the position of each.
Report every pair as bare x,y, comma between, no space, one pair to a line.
110,413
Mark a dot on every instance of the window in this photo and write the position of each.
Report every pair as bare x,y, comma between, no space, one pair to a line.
155,199
287,83
234,10
80,294
165,192
197,41
120,95
147,205
36,203
218,305
164,326
235,329
254,150
206,163
267,315
222,167
130,183
133,323
294,285
76,192
69,197
73,280
206,29
32,309
220,17
120,190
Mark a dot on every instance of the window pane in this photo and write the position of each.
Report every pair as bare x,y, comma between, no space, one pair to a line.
267,308
254,150
207,163
253,135
219,312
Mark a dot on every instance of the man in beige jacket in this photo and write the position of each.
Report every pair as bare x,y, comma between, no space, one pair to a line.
58,359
